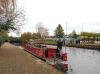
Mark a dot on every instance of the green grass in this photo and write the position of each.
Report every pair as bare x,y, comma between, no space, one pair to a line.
51,42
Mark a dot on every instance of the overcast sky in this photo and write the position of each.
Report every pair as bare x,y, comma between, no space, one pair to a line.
74,13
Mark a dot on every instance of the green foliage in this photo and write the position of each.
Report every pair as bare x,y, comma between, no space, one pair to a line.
6,26
36,36
59,32
4,35
25,37
73,34
89,36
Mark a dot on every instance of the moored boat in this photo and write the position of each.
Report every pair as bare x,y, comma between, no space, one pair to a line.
49,54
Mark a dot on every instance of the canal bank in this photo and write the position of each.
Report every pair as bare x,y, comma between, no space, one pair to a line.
84,46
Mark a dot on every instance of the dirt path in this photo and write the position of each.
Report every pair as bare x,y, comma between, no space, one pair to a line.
14,60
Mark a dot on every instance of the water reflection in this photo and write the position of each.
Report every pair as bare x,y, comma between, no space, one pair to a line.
83,61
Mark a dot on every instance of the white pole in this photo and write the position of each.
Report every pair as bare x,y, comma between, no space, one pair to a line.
82,26
66,36
66,28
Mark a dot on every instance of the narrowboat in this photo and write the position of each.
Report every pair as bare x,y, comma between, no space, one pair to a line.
49,54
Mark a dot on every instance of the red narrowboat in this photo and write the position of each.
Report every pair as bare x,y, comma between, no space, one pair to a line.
48,54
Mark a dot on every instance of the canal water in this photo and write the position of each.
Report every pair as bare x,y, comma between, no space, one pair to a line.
83,61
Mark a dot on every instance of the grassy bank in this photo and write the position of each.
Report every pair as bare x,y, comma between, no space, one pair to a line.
50,42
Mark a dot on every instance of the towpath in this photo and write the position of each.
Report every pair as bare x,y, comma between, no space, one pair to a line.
14,60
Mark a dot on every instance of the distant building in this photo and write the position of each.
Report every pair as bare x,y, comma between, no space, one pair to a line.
70,40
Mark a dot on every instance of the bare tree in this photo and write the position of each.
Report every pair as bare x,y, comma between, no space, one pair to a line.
8,7
42,29
10,15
